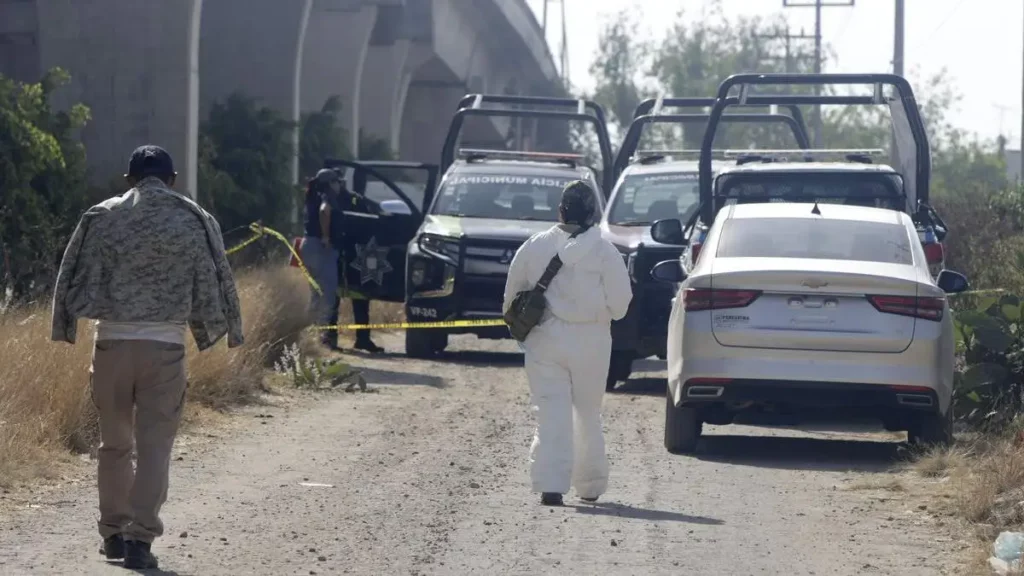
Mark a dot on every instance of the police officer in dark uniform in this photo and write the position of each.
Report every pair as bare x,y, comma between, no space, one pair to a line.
358,231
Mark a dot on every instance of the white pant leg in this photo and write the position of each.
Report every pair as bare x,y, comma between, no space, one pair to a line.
588,369
551,397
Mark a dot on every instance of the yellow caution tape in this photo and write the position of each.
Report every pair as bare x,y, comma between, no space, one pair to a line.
975,292
414,325
259,231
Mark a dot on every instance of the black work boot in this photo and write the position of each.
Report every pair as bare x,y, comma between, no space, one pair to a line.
113,547
551,499
367,345
138,556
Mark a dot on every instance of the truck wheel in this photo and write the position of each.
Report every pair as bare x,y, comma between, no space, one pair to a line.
419,344
682,427
619,368
932,430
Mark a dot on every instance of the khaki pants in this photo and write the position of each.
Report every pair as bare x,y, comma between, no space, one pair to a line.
149,377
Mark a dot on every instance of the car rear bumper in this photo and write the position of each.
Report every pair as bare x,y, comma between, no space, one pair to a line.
807,395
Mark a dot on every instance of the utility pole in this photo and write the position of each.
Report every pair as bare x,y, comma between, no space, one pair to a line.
1021,176
897,44
817,5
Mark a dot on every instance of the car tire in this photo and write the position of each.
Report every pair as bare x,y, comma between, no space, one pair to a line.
932,430
620,366
419,344
682,427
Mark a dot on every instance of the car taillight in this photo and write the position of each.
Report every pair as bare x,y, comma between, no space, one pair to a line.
297,245
704,299
695,252
925,308
934,253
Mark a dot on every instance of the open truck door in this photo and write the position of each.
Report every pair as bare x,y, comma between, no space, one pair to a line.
376,242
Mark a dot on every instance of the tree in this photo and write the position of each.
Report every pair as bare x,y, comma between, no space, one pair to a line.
245,155
43,188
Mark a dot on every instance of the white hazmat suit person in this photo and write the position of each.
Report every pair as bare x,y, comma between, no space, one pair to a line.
567,353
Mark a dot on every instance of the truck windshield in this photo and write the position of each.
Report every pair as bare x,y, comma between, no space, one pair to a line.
852,188
643,199
503,197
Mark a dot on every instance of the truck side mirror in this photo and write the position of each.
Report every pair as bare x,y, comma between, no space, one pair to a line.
668,231
668,271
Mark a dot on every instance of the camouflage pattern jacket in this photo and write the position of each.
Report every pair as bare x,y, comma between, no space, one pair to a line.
150,255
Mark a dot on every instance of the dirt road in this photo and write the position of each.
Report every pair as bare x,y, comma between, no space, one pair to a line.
429,476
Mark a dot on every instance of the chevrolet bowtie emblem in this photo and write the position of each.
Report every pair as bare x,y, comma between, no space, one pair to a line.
815,283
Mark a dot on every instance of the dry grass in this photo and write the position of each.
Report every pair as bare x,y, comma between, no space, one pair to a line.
982,483
46,411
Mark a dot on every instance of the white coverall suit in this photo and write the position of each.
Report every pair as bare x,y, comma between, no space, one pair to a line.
567,354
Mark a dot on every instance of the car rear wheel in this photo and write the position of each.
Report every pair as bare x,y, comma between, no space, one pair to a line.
682,427
932,430
424,343
619,368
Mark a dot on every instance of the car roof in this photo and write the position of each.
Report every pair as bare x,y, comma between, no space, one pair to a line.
828,212
807,167
527,168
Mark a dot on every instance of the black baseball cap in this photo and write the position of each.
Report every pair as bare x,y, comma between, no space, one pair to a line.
150,160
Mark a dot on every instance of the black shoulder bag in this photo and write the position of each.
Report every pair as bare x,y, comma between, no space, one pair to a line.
528,306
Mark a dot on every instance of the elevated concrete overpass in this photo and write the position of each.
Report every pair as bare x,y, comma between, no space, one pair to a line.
152,70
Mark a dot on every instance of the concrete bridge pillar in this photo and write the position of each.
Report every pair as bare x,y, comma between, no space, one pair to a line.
134,64
334,57
254,48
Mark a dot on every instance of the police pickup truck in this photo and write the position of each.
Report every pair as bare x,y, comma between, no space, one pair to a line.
488,203
824,175
656,185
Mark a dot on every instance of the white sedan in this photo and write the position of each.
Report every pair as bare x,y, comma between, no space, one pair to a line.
806,309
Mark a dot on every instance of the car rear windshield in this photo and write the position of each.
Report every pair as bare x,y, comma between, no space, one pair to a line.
815,238
867,189
646,198
503,196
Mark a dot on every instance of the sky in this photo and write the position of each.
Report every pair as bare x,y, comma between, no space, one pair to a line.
979,42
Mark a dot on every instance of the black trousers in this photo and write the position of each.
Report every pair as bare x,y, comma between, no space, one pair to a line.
361,315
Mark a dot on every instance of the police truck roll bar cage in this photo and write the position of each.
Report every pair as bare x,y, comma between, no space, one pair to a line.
628,151
585,111
655,105
903,108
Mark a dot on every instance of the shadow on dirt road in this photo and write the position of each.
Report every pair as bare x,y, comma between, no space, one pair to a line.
799,453
626,511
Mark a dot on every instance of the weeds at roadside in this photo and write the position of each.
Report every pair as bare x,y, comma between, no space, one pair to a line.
317,373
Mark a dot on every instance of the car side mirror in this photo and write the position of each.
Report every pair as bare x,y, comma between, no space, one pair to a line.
668,231
668,271
952,282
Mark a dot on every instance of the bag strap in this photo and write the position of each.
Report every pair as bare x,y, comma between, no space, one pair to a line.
555,265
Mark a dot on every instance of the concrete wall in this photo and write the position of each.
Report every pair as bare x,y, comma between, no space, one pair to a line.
151,69
138,96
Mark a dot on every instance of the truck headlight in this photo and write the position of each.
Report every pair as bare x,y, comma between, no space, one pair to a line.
439,246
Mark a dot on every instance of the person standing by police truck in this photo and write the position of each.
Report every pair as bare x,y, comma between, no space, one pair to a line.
320,249
568,352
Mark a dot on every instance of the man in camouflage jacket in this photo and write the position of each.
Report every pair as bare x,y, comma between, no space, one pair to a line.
145,265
